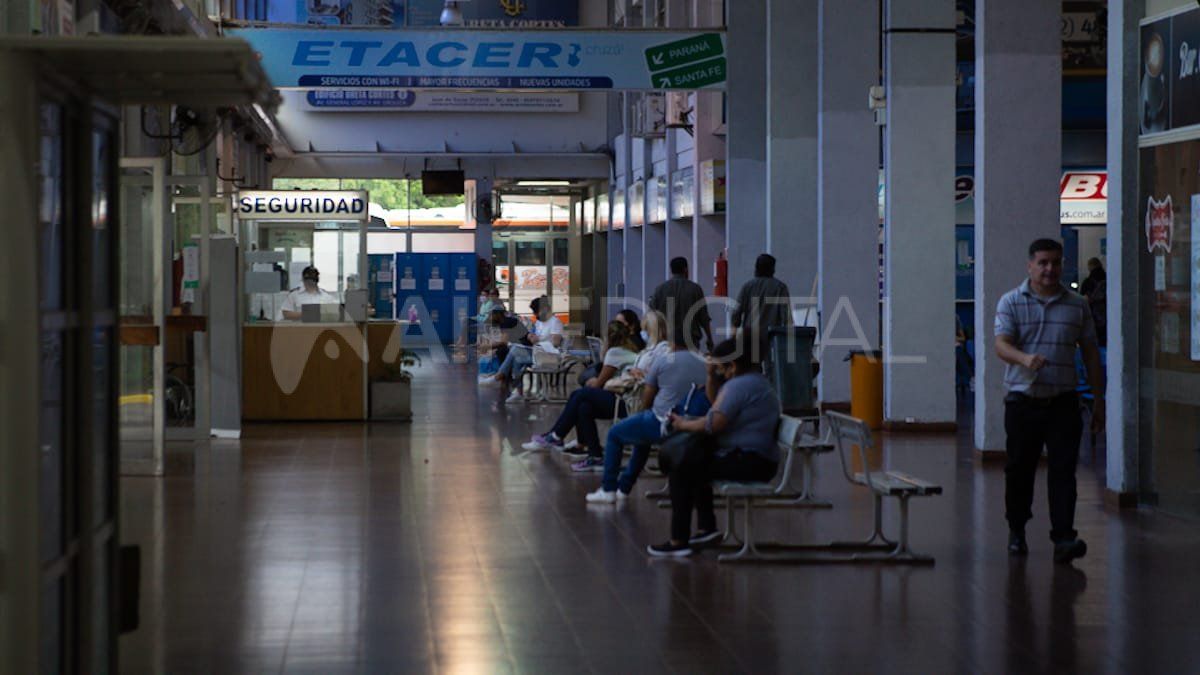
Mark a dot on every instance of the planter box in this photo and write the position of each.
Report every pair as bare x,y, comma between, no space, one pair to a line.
391,400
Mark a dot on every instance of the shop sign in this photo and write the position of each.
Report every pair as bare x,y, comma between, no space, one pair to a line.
683,197
712,187
1084,198
458,59
408,100
637,204
1169,76
301,205
1160,224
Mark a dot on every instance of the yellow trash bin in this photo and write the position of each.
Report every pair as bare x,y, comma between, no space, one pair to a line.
866,386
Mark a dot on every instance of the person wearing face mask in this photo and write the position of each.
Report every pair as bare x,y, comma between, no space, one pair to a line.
740,427
309,293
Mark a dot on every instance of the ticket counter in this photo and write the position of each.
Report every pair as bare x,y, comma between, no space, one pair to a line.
317,372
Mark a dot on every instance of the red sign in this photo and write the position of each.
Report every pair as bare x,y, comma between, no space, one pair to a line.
1075,185
1160,224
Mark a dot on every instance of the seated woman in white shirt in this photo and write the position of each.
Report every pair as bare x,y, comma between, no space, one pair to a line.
307,294
592,402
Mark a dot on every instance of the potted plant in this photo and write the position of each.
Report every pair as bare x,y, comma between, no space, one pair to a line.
391,393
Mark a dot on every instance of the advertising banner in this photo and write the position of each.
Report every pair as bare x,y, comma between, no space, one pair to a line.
506,60
368,100
1169,88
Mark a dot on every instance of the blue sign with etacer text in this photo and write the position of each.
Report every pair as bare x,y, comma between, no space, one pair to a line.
483,59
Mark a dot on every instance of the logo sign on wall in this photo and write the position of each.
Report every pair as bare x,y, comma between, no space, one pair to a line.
1084,198
1160,224
566,60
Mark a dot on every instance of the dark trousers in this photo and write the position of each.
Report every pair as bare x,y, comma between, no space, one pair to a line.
1030,424
583,408
691,486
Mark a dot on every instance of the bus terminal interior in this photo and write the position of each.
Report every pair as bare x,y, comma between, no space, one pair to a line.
406,336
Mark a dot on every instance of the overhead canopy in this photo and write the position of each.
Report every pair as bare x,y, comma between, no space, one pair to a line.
133,69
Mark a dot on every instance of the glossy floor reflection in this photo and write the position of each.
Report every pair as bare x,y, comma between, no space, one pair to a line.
441,546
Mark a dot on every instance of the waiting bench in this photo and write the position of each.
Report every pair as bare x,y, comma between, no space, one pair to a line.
847,432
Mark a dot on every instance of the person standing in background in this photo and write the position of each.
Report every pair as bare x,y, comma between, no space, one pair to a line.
763,302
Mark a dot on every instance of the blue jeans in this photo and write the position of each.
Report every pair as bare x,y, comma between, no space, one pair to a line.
515,364
640,431
583,408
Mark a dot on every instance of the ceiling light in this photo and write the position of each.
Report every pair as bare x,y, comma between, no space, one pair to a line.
451,14
544,183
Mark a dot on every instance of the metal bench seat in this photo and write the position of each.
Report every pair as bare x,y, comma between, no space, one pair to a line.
894,483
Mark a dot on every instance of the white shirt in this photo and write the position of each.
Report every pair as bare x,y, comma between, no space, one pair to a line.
301,296
544,329
649,355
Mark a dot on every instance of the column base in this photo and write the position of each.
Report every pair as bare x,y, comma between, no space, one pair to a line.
835,406
990,456
1120,500
920,427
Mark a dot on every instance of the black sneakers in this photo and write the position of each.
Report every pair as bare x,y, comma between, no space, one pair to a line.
1016,543
702,538
1066,551
669,550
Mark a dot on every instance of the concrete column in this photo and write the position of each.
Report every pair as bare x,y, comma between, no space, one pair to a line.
616,272
634,255
848,182
792,141
483,226
1124,242
746,211
918,315
1018,163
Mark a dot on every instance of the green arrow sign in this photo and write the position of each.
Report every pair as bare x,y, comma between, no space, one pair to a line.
694,76
672,54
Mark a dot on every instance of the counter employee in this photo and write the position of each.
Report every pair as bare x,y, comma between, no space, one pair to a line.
308,294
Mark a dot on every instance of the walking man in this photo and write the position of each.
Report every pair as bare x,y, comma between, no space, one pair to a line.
763,303
682,301
1038,326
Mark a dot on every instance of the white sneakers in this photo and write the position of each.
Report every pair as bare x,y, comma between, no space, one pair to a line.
515,397
602,496
488,381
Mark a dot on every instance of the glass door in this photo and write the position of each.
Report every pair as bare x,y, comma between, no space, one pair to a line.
532,266
142,305
530,272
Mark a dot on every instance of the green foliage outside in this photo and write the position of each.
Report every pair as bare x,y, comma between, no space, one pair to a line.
388,193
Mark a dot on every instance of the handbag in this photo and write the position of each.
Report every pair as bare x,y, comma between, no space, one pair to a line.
681,447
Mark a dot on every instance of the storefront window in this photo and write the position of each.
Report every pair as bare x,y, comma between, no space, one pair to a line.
1169,289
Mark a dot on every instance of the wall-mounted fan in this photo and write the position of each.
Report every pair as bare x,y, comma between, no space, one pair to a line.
192,129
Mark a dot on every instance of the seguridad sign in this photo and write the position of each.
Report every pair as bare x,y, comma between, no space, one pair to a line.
457,59
301,205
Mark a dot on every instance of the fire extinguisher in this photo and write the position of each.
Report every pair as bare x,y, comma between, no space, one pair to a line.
721,275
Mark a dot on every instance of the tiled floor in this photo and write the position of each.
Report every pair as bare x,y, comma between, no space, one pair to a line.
441,546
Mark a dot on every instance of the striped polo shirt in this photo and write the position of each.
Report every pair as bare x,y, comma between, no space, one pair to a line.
1052,327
